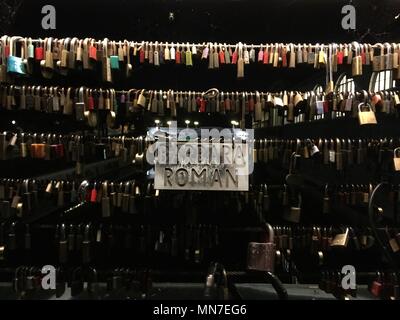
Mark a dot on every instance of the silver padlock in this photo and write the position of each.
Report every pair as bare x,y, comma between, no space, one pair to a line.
261,256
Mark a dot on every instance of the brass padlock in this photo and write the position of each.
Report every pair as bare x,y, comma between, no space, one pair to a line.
261,256
396,159
366,117
142,99
356,69
341,239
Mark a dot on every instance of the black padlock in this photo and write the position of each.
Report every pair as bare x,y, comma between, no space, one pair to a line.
30,279
125,199
77,282
105,201
78,238
132,199
86,245
396,286
116,281
71,238
92,283
18,281
60,282
12,238
322,281
62,245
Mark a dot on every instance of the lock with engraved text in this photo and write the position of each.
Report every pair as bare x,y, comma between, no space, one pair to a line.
261,256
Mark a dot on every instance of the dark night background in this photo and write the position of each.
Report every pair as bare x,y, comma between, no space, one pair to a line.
226,21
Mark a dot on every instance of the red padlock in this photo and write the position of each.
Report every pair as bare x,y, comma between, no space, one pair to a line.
92,52
93,194
178,57
340,57
141,55
234,57
377,285
39,51
266,56
221,57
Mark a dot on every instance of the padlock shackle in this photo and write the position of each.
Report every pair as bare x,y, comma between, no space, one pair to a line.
270,232
364,104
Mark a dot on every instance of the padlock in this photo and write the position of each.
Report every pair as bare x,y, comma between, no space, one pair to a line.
293,213
77,282
92,283
377,285
266,199
116,281
322,282
79,238
366,117
355,240
119,195
60,282
29,279
285,196
326,201
395,286
396,159
18,281
125,198
12,238
341,239
261,256
86,245
62,245
338,290
105,202
132,198
71,238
